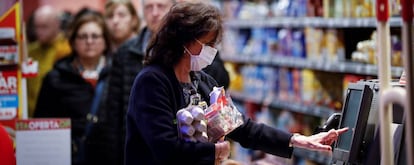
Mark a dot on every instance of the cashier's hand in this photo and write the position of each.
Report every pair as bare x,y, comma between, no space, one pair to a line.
320,141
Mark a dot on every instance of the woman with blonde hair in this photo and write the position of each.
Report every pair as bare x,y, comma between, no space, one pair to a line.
122,20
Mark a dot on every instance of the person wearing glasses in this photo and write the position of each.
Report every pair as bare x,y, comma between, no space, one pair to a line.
176,55
69,89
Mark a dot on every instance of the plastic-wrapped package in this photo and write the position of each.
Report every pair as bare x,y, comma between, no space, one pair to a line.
187,130
200,126
185,117
191,122
222,116
197,122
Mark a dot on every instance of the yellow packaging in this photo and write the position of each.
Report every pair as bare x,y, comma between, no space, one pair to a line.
310,86
334,45
314,39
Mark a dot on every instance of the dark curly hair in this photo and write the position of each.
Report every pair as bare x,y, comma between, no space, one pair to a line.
184,23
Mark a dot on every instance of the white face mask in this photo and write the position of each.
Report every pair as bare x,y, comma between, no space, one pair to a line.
204,59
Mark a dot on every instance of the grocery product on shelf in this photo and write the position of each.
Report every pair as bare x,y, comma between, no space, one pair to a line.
299,54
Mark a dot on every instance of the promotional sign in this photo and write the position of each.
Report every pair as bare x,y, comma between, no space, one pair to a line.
9,50
43,141
5,5
10,76
8,99
8,82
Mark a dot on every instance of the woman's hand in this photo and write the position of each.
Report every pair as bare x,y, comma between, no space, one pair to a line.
222,150
320,141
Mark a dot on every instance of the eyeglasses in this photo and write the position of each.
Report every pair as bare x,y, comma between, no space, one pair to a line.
86,36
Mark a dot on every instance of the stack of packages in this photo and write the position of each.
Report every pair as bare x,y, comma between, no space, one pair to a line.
199,122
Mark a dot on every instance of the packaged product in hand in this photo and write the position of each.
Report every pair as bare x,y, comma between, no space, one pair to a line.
203,123
222,115
191,122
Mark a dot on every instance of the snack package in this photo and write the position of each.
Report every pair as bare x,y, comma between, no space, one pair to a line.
191,121
222,116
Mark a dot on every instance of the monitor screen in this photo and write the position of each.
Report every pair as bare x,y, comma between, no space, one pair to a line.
349,121
355,114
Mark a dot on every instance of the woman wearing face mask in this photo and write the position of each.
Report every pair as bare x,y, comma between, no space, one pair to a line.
182,47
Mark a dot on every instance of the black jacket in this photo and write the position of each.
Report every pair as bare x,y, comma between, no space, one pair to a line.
126,64
64,93
152,136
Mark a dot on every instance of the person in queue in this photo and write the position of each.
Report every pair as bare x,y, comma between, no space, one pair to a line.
50,46
181,48
122,21
70,89
127,62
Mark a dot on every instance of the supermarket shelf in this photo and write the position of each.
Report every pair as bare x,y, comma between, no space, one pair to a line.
341,67
313,110
310,22
317,156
